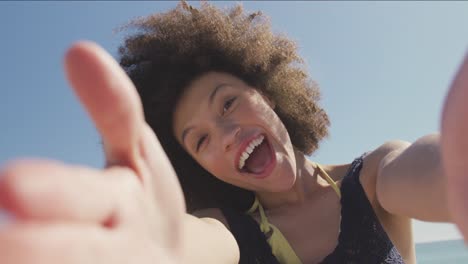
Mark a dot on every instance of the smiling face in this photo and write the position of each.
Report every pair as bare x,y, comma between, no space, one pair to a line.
232,131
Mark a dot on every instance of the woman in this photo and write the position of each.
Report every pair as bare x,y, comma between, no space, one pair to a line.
231,116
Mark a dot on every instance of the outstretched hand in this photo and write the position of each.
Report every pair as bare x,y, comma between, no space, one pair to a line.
454,140
129,212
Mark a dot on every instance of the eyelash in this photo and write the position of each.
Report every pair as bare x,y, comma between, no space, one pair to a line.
200,141
227,105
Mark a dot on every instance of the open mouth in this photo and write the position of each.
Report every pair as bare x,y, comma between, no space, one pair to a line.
256,158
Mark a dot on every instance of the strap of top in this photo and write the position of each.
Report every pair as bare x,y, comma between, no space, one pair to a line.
329,180
280,247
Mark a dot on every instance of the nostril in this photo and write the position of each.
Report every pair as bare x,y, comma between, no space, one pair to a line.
229,145
231,137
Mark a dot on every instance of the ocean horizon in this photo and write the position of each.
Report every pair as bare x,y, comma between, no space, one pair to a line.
434,252
442,252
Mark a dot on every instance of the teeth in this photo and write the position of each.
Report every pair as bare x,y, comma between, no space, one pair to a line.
245,155
250,149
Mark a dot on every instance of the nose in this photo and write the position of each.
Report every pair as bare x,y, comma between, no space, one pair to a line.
229,136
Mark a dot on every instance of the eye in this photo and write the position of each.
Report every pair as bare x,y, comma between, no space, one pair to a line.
227,105
200,142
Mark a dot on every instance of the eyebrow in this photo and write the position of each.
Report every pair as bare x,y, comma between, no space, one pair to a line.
210,102
215,91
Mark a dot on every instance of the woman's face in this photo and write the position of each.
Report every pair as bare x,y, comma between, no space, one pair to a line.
232,131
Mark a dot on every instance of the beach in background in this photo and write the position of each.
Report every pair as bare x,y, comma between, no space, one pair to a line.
442,252
438,252
373,61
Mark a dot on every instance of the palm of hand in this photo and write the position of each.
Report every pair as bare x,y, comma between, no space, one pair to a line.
129,212
454,142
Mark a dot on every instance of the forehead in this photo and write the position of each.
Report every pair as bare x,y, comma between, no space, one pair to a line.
207,82
201,88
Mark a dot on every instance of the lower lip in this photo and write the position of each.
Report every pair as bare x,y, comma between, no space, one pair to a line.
269,168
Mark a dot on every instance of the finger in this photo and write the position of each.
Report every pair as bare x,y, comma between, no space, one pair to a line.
109,97
30,243
163,189
114,105
76,244
159,175
51,191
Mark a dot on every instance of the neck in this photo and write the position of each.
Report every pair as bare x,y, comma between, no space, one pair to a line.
305,185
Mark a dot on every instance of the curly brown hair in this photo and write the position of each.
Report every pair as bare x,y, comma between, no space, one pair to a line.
169,50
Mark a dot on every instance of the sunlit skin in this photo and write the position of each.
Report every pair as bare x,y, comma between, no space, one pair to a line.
214,117
133,211
215,130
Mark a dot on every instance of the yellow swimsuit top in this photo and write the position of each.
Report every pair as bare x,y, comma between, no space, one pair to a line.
280,247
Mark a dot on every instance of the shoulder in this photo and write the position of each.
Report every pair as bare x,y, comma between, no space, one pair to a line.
397,227
372,163
374,159
385,149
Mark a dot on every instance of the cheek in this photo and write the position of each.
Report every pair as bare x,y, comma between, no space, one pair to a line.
215,165
275,125
263,114
260,110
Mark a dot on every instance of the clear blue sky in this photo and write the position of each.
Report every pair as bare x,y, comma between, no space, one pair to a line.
383,68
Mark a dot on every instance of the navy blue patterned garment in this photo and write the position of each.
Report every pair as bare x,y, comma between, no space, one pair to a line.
362,239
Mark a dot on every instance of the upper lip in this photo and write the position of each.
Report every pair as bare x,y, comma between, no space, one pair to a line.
243,147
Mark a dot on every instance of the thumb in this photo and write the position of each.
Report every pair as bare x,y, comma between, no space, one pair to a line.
109,98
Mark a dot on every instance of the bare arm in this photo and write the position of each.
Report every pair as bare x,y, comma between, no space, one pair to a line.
411,180
132,211
207,240
427,179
